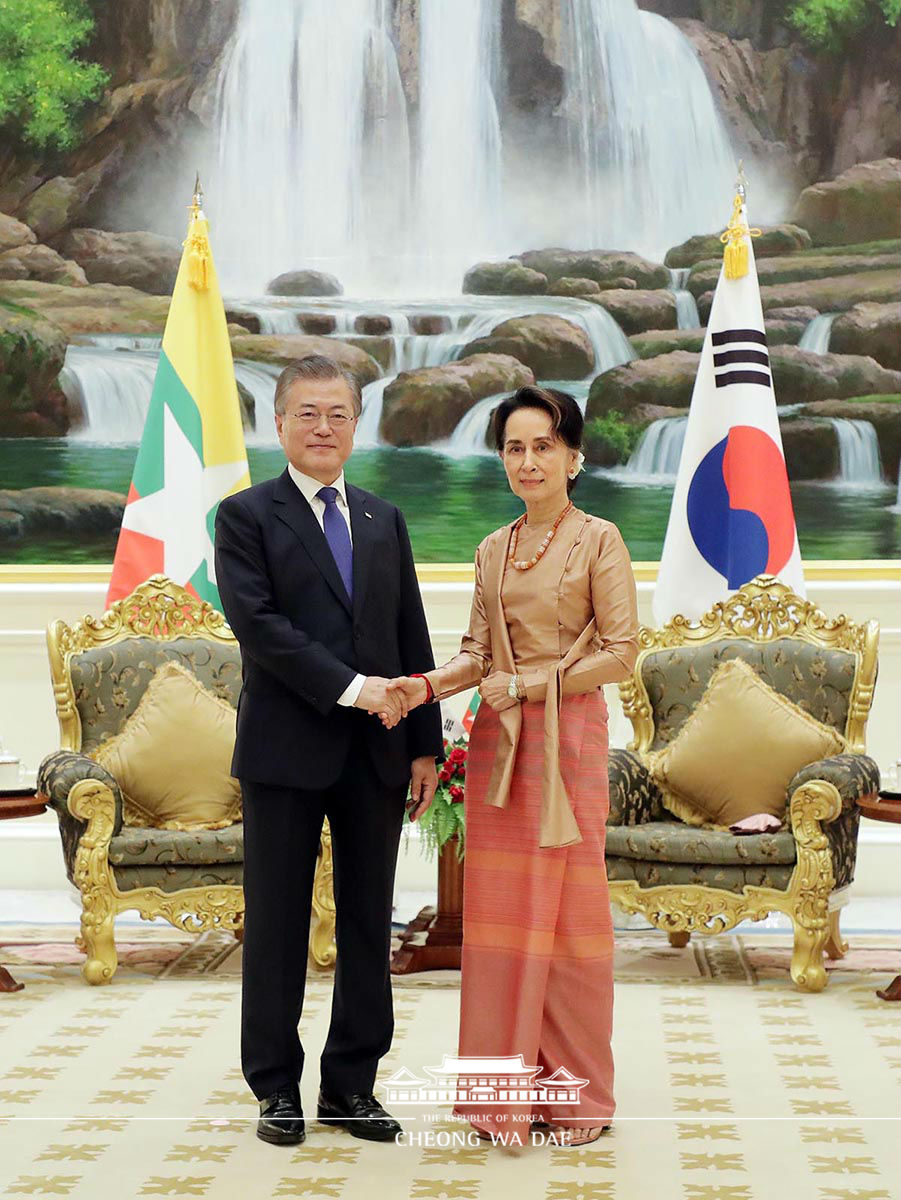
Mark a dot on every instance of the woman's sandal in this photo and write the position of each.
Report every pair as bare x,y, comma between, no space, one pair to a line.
591,1134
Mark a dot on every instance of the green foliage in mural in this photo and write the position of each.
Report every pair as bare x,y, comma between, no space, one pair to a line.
610,434
44,85
831,24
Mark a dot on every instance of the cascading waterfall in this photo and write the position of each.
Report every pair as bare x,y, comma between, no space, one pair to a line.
816,336
468,319
120,341
459,185
858,449
658,451
111,390
258,379
611,347
367,433
471,434
313,145
314,163
652,160
277,320
687,316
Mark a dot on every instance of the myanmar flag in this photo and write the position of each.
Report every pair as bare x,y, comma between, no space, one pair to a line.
192,450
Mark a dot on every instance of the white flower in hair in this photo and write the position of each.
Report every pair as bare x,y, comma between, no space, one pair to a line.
580,463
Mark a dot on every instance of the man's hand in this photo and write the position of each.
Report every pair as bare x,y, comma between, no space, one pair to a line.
493,690
410,693
375,698
423,784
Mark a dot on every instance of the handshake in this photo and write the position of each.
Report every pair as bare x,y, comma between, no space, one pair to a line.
391,699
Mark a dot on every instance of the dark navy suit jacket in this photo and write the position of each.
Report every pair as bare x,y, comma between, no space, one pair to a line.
302,639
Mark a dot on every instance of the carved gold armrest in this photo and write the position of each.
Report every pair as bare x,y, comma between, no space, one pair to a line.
851,775
80,789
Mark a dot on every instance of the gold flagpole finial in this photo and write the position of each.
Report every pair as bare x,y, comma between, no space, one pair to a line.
197,243
196,204
735,258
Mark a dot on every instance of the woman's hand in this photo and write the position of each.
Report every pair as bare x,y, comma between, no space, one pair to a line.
412,693
493,690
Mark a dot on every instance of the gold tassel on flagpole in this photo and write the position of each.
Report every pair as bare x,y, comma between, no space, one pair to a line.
197,243
735,257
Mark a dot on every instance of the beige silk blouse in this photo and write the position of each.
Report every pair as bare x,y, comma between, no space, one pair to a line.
567,626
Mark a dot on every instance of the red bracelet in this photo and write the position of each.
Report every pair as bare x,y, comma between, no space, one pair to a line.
429,690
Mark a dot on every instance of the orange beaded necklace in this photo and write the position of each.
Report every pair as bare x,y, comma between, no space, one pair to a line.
527,564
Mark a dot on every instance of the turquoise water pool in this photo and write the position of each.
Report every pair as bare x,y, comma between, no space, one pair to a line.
452,503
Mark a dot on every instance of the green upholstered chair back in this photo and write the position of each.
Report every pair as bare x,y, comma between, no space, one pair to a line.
818,679
101,666
826,665
109,681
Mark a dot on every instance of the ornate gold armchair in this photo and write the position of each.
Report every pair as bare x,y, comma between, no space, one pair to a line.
686,879
100,668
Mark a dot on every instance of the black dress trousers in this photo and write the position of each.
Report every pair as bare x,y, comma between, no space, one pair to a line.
281,838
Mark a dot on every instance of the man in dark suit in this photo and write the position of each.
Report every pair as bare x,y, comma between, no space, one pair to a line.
318,584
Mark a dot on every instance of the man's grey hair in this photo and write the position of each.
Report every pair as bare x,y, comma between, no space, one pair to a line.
314,366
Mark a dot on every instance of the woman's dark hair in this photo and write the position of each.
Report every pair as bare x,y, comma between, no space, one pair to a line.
567,421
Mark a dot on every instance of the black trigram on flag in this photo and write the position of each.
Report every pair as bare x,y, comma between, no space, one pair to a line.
743,358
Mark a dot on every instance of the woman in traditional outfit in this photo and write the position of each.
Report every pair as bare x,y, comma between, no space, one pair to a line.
554,617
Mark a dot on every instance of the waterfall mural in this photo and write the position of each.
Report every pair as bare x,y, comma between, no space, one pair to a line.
648,174
687,316
533,189
313,152
817,334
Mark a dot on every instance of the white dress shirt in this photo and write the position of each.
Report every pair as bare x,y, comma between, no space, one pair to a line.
308,487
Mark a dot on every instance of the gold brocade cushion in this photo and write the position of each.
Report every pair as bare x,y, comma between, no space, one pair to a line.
172,760
738,750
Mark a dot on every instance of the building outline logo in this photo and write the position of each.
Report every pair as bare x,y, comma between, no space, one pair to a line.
499,1080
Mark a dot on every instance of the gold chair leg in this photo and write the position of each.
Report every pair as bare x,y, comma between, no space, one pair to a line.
836,947
807,968
98,934
679,938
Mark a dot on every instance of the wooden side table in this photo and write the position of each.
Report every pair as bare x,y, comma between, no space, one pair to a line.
885,807
23,802
433,941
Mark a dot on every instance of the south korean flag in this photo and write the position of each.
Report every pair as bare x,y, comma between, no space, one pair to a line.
731,516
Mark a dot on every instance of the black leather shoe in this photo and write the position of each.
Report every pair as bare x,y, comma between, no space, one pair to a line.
281,1117
360,1115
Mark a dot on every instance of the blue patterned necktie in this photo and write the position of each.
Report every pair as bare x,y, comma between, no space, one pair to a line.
338,537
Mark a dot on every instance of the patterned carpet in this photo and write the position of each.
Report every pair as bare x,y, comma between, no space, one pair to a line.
731,1084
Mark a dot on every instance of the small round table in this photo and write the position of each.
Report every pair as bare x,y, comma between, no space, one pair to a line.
23,802
884,807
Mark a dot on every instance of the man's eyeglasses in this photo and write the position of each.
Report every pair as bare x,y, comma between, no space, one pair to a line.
312,416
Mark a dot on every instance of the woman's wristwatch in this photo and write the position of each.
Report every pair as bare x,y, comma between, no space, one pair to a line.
515,689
